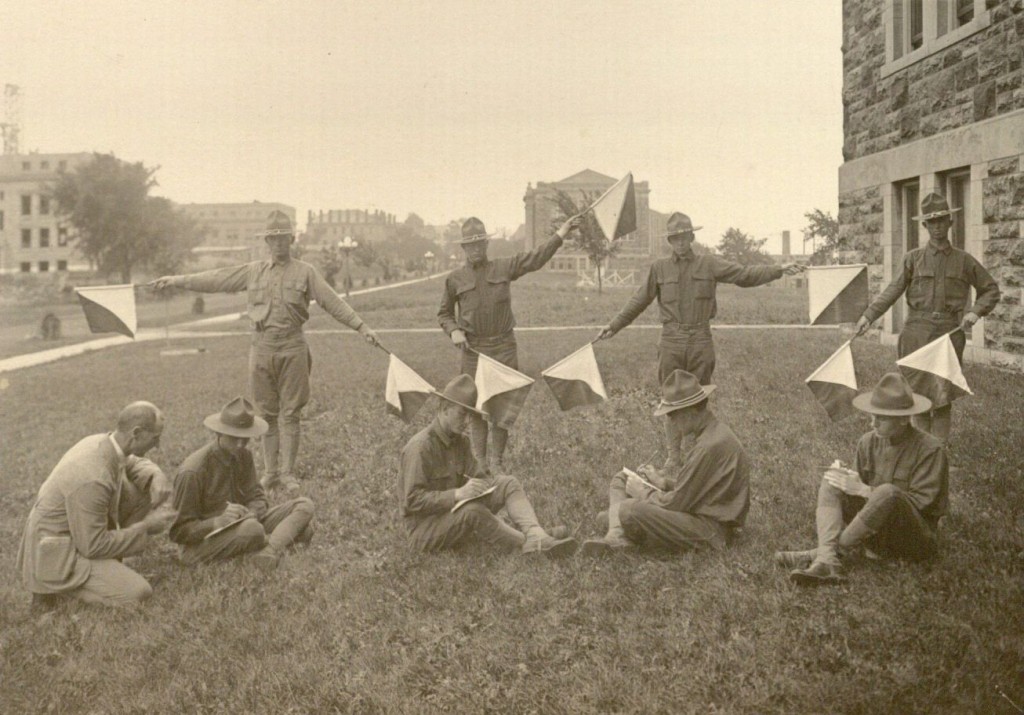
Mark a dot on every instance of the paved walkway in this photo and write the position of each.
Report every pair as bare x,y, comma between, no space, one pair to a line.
149,334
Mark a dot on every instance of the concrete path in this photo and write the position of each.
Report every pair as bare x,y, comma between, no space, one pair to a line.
149,334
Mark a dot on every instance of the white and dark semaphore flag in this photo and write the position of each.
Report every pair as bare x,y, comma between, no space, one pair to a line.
615,210
837,294
576,380
405,391
110,309
834,384
934,371
501,391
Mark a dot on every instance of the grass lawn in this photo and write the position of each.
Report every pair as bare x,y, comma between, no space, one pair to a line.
355,623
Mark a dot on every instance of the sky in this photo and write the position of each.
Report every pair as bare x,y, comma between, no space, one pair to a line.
730,109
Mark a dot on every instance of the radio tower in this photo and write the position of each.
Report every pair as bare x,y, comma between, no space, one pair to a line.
11,124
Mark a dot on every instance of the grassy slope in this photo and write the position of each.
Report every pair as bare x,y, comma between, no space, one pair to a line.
356,623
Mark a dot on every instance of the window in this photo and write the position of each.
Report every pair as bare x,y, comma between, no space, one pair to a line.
26,238
958,194
26,205
916,29
25,267
26,166
44,266
44,238
44,165
62,265
910,204
62,236
963,12
44,205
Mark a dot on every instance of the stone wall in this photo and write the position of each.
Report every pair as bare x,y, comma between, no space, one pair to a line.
1003,212
860,223
975,79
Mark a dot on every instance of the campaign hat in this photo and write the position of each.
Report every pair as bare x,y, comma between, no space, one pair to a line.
238,418
681,389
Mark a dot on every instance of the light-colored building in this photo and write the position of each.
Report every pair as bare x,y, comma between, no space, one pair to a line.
933,100
362,225
636,248
230,231
32,238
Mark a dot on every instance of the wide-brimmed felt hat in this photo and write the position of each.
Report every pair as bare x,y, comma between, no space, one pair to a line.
462,391
892,397
679,223
238,418
278,224
934,206
681,389
473,231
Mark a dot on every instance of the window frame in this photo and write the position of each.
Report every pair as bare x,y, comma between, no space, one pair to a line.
936,35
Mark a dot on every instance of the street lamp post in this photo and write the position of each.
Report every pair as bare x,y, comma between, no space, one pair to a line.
429,257
346,246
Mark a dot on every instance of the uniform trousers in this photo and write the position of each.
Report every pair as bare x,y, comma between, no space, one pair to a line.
282,526
649,524
480,521
279,369
887,522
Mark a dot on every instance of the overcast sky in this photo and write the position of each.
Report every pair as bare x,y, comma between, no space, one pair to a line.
731,109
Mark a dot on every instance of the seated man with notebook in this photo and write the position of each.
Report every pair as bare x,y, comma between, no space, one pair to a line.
222,509
701,503
891,503
447,500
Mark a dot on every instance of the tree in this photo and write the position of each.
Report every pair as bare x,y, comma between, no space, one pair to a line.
738,247
820,224
165,219
119,225
589,237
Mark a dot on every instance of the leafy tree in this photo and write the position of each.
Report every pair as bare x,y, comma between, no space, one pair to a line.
820,224
164,219
741,248
588,238
414,222
119,225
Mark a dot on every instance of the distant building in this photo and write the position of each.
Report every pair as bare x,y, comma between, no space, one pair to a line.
933,101
231,230
636,248
32,238
360,224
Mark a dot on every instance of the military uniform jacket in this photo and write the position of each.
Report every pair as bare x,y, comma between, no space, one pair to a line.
277,295
482,297
938,279
685,288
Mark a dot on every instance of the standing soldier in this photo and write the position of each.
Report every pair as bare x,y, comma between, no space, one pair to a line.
937,279
684,285
476,313
278,291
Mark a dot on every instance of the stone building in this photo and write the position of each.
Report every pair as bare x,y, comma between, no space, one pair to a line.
230,231
32,238
364,226
933,100
636,248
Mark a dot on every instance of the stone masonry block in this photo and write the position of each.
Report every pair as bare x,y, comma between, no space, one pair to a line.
999,167
984,101
965,74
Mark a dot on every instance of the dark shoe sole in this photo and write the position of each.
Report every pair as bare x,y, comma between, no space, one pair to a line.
803,578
